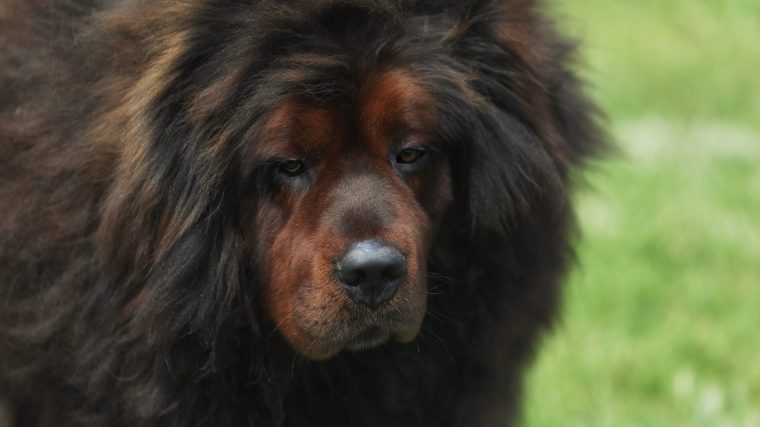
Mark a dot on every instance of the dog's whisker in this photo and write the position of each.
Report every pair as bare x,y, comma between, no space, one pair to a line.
442,278
278,324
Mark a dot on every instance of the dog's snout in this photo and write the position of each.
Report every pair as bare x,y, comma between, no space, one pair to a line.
371,271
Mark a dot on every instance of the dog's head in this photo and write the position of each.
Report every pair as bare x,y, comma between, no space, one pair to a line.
348,196
309,156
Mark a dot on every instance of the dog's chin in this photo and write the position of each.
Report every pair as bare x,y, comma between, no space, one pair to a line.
372,336
364,336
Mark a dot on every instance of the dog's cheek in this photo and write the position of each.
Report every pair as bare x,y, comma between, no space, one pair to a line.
298,290
262,222
283,272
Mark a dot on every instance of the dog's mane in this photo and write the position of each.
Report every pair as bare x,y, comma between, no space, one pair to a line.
121,262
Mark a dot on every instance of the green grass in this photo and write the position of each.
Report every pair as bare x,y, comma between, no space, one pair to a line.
662,316
684,59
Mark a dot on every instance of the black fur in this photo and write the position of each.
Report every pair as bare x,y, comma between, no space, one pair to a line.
125,298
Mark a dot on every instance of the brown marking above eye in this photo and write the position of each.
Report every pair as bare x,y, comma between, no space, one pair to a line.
394,100
293,137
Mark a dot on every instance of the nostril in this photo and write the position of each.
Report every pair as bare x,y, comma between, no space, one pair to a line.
371,271
394,271
350,277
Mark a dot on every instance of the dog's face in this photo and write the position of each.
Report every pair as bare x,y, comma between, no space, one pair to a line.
303,172
351,196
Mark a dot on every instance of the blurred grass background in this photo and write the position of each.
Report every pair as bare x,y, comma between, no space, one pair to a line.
662,317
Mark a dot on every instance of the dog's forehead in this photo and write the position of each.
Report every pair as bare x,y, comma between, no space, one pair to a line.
389,106
395,99
297,127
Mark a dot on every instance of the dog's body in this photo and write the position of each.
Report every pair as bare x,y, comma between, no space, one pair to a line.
194,195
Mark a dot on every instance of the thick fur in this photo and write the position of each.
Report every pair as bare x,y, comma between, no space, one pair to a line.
130,292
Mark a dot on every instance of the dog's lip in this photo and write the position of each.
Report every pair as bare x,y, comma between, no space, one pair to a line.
372,328
358,328
364,335
369,337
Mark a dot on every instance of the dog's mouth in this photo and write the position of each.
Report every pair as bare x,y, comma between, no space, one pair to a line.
320,332
372,336
383,331
372,328
372,293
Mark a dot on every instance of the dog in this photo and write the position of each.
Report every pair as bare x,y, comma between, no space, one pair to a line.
281,212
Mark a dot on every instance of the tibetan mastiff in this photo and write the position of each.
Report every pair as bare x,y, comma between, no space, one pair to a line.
281,212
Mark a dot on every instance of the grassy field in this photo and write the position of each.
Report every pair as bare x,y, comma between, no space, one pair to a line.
662,316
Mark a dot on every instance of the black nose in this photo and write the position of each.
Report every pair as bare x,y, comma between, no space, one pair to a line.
371,271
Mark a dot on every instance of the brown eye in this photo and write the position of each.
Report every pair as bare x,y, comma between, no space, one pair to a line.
409,155
292,167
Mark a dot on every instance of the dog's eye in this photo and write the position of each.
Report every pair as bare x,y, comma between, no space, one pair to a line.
409,155
292,167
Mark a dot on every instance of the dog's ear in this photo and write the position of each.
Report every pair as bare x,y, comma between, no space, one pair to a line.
168,237
532,123
575,117
503,175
